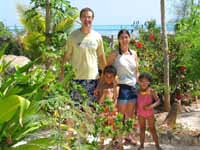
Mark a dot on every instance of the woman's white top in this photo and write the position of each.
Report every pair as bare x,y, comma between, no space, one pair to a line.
126,68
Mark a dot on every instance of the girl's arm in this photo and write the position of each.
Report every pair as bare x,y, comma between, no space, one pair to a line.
156,98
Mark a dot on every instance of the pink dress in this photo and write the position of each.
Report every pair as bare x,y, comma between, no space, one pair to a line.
143,100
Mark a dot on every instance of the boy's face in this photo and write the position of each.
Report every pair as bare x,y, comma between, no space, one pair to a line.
109,78
144,83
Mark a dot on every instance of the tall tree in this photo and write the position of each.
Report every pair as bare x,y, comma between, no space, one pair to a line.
166,57
48,20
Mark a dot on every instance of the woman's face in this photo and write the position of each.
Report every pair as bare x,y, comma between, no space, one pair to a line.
124,39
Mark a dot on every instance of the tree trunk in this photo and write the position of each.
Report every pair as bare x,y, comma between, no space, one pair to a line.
166,58
171,117
48,29
48,20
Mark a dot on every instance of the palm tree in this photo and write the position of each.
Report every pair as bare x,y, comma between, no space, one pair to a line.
166,57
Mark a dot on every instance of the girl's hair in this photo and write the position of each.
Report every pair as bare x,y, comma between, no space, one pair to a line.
145,76
118,36
110,69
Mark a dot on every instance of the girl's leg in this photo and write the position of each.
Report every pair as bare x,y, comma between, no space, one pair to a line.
151,124
142,123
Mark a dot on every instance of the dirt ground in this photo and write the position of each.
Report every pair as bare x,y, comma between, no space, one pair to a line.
189,119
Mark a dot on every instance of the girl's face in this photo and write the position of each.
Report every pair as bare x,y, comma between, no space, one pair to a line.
124,39
144,83
109,78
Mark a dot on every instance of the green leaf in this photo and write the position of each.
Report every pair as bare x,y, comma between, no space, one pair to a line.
10,105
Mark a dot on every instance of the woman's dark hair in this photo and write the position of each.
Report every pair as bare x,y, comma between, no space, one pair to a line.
86,9
110,69
118,36
145,76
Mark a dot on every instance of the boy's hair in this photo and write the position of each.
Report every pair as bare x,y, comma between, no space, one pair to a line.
110,69
86,9
145,76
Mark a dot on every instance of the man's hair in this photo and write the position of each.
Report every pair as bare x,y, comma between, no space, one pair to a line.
86,9
110,69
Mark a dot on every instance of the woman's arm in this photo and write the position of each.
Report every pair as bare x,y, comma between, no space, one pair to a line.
137,66
116,94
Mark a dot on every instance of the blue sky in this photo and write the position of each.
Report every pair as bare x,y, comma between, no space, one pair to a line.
107,12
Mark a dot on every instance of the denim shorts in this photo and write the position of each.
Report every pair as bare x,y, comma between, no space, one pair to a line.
127,94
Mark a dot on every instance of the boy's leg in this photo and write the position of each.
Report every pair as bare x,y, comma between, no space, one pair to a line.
151,125
142,123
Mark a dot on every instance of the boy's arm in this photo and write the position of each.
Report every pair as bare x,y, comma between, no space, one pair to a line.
101,100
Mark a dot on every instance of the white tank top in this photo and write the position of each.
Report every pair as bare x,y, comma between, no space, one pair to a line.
126,68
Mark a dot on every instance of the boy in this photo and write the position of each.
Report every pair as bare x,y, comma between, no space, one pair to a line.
108,88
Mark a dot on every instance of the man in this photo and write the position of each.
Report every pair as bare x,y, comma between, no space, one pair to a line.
84,50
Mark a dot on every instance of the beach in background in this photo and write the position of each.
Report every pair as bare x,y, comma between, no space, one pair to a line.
107,30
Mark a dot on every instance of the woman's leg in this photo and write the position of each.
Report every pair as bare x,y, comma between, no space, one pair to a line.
122,108
131,114
131,109
142,123
151,124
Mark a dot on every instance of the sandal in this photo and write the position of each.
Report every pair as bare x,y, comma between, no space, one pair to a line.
130,140
159,148
140,148
117,145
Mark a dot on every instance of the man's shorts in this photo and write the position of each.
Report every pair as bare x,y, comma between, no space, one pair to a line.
89,86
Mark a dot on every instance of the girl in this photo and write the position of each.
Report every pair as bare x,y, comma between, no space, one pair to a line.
145,109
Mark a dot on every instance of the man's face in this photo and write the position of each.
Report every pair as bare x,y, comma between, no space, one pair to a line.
86,19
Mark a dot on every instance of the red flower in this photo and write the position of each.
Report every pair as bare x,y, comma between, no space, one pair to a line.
138,44
179,97
151,37
182,68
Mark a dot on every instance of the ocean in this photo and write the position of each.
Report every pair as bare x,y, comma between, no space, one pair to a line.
107,30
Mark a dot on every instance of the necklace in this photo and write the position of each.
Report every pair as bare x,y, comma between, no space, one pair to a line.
143,93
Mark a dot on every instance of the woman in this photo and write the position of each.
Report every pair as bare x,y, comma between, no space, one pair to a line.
126,62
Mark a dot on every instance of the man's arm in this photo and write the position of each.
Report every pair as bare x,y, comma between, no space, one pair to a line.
62,69
66,56
102,61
